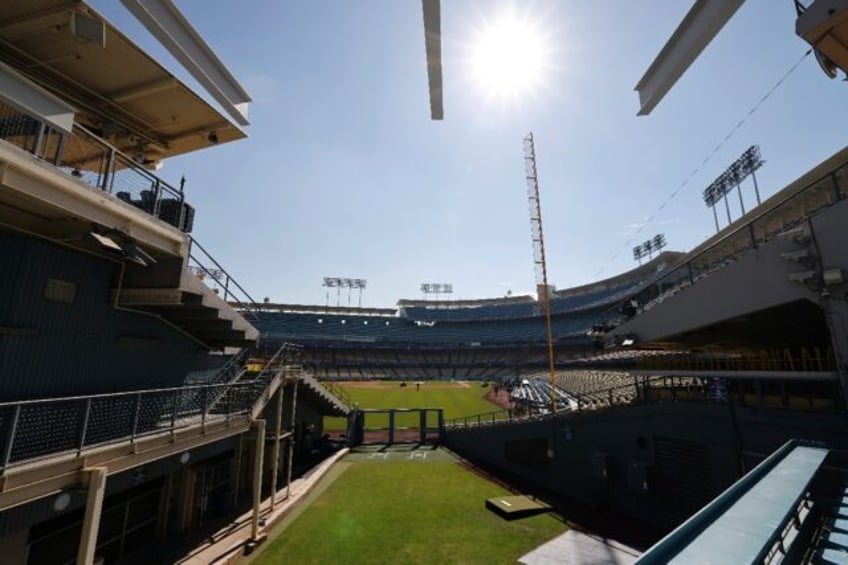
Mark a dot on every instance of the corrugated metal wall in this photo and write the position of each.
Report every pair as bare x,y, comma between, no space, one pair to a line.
50,348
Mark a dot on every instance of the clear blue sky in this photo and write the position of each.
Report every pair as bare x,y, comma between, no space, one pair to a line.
344,174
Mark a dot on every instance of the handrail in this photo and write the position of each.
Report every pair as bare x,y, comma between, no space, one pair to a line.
837,193
223,278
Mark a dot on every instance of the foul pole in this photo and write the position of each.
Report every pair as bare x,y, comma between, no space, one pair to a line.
539,264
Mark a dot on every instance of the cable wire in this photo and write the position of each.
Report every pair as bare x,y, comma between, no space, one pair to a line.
706,160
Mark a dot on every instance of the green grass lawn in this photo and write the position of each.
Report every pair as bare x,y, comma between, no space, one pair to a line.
456,399
409,512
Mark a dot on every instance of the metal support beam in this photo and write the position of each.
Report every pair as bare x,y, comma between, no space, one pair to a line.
258,454
91,520
266,396
168,25
700,25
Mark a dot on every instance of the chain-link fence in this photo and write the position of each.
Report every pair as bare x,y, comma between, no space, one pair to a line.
37,429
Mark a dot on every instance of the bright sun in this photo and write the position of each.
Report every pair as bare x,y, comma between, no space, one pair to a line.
507,57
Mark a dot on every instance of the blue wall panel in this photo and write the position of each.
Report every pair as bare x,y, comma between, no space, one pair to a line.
50,348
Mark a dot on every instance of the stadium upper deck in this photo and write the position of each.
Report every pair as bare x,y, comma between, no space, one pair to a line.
503,321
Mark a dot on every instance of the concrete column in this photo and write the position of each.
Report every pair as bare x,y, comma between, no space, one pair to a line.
185,510
258,453
292,438
164,503
275,463
91,520
237,470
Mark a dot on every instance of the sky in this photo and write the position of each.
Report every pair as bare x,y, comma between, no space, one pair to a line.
344,174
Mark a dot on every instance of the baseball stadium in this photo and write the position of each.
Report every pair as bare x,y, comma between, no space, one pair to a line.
690,409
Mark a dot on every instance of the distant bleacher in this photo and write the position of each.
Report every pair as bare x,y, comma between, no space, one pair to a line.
597,389
323,328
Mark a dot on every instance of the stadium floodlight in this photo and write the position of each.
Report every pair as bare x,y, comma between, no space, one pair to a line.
436,288
731,178
647,248
659,242
333,282
360,285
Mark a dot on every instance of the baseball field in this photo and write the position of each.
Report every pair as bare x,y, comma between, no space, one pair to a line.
457,398
405,506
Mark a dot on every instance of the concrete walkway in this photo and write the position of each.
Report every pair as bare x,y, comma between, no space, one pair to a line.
228,544
577,548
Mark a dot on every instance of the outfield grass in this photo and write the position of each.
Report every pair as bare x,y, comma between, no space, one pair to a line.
457,400
407,512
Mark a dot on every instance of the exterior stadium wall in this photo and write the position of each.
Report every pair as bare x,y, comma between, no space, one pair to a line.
657,464
80,343
757,280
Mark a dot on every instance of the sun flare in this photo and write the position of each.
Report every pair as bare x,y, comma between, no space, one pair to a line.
508,56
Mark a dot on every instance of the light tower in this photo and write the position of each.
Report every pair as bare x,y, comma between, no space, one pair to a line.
539,264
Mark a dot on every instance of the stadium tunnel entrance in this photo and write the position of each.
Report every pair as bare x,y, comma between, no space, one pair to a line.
390,426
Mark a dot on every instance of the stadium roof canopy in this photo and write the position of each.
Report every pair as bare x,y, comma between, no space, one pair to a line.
119,90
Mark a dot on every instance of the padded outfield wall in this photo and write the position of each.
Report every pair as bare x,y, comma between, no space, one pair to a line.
657,464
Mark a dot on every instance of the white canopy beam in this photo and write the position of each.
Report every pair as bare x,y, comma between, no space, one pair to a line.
433,45
703,22
168,25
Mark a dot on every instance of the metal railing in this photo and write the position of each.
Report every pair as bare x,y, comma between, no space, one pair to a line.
645,389
87,157
338,391
763,227
803,359
206,268
485,418
36,429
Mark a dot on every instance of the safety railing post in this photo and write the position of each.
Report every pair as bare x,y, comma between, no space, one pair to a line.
203,410
39,138
174,412
181,216
84,426
10,440
136,412
157,197
108,172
